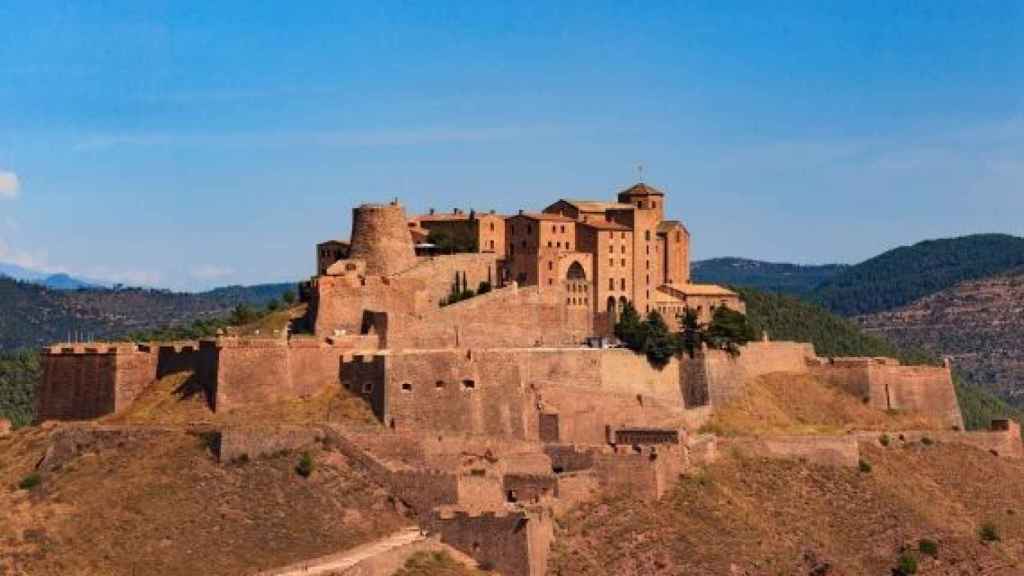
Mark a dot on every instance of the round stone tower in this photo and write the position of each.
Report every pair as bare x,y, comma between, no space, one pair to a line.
380,237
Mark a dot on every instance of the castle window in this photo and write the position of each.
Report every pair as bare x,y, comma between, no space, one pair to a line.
551,265
647,235
468,385
623,262
623,249
611,262
611,283
367,387
623,236
679,236
568,301
549,243
648,265
622,284
406,387
611,249
559,244
648,248
492,244
439,384
550,282
566,245
554,229
563,229
639,204
611,235
529,229
492,226
654,204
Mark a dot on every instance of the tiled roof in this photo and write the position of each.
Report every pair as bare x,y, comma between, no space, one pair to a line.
641,189
667,225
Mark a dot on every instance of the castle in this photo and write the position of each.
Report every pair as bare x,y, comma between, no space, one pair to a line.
494,410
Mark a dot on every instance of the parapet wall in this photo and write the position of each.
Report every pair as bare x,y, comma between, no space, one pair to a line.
717,377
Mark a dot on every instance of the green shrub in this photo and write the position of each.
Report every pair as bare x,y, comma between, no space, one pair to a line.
988,532
305,467
929,547
906,565
288,297
31,481
864,466
884,440
483,288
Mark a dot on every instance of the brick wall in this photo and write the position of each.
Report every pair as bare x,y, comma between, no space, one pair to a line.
828,450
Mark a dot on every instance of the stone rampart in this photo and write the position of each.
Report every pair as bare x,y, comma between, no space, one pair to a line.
887,385
648,473
512,543
86,381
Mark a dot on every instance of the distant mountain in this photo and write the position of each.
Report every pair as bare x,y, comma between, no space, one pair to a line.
900,276
58,281
34,315
782,278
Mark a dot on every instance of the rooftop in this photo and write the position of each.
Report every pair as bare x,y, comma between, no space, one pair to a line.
641,189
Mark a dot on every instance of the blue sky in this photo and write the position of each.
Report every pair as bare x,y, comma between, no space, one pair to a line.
189,145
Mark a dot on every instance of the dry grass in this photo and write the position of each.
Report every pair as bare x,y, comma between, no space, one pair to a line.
277,320
164,403
164,506
435,564
802,404
753,516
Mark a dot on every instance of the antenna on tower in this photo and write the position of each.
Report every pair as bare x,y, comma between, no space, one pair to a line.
640,172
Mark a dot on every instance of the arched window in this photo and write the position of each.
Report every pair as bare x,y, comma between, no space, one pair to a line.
576,272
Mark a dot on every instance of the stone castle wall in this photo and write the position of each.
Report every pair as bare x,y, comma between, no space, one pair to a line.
885,384
513,543
504,318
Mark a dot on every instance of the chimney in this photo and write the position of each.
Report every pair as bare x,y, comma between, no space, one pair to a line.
431,211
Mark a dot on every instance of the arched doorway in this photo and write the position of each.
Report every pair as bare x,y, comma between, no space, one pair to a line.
613,317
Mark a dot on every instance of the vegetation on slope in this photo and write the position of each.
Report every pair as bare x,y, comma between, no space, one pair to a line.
786,318
977,323
902,275
33,315
19,372
793,279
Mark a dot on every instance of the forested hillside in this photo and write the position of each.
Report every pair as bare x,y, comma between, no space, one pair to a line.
786,318
900,276
32,315
767,276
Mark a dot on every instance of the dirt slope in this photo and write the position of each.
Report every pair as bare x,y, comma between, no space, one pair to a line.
162,505
777,517
980,323
802,404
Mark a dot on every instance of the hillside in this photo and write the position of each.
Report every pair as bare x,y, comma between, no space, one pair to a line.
979,323
784,278
158,502
750,516
33,315
787,318
900,276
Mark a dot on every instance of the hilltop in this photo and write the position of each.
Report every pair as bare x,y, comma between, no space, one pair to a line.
902,275
794,279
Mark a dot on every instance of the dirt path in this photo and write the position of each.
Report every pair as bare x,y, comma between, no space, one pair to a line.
336,562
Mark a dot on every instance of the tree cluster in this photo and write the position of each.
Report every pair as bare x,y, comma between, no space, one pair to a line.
728,330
